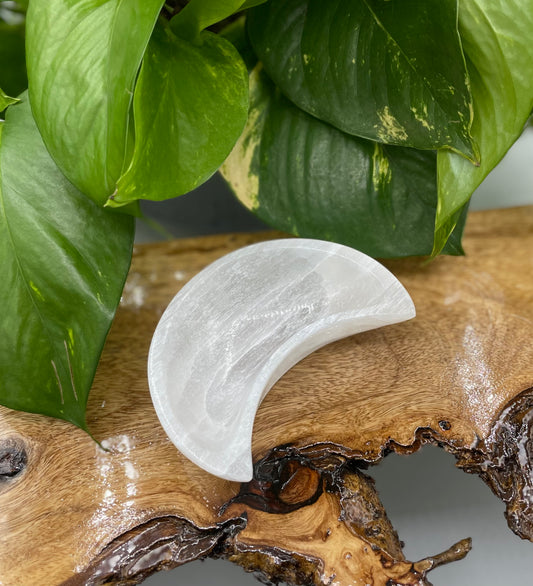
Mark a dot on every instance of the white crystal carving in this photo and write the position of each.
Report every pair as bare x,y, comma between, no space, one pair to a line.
241,323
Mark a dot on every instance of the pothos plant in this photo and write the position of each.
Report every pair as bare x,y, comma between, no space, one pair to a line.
367,122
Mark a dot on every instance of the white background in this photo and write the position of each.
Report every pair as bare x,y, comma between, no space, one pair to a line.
430,502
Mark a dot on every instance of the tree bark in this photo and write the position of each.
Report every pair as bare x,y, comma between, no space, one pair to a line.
460,375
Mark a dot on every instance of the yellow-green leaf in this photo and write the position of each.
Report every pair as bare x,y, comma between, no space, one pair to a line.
497,38
83,58
190,106
5,100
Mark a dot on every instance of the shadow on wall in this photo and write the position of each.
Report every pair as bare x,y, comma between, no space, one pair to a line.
210,209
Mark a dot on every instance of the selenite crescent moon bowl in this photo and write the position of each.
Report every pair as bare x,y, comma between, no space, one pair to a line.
234,329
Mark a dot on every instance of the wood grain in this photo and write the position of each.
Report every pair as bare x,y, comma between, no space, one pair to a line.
459,375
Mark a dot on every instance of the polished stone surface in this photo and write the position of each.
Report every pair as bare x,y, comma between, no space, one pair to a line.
242,322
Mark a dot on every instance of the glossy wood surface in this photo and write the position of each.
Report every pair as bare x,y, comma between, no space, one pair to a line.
450,376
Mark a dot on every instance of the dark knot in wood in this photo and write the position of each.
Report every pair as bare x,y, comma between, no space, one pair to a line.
13,458
284,481
445,425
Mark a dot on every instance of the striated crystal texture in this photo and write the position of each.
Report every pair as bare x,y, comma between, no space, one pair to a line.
241,323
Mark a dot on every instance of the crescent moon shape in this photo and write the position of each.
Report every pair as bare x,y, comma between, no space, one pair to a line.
234,329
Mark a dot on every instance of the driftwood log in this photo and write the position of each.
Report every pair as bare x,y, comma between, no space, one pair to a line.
460,375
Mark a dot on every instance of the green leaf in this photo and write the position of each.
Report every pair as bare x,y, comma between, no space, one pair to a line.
83,58
63,261
306,177
190,107
391,71
497,38
13,78
235,33
197,15
251,3
5,100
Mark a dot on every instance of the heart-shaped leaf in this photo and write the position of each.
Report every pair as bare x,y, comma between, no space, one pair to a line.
497,38
389,71
190,106
83,58
306,177
63,261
